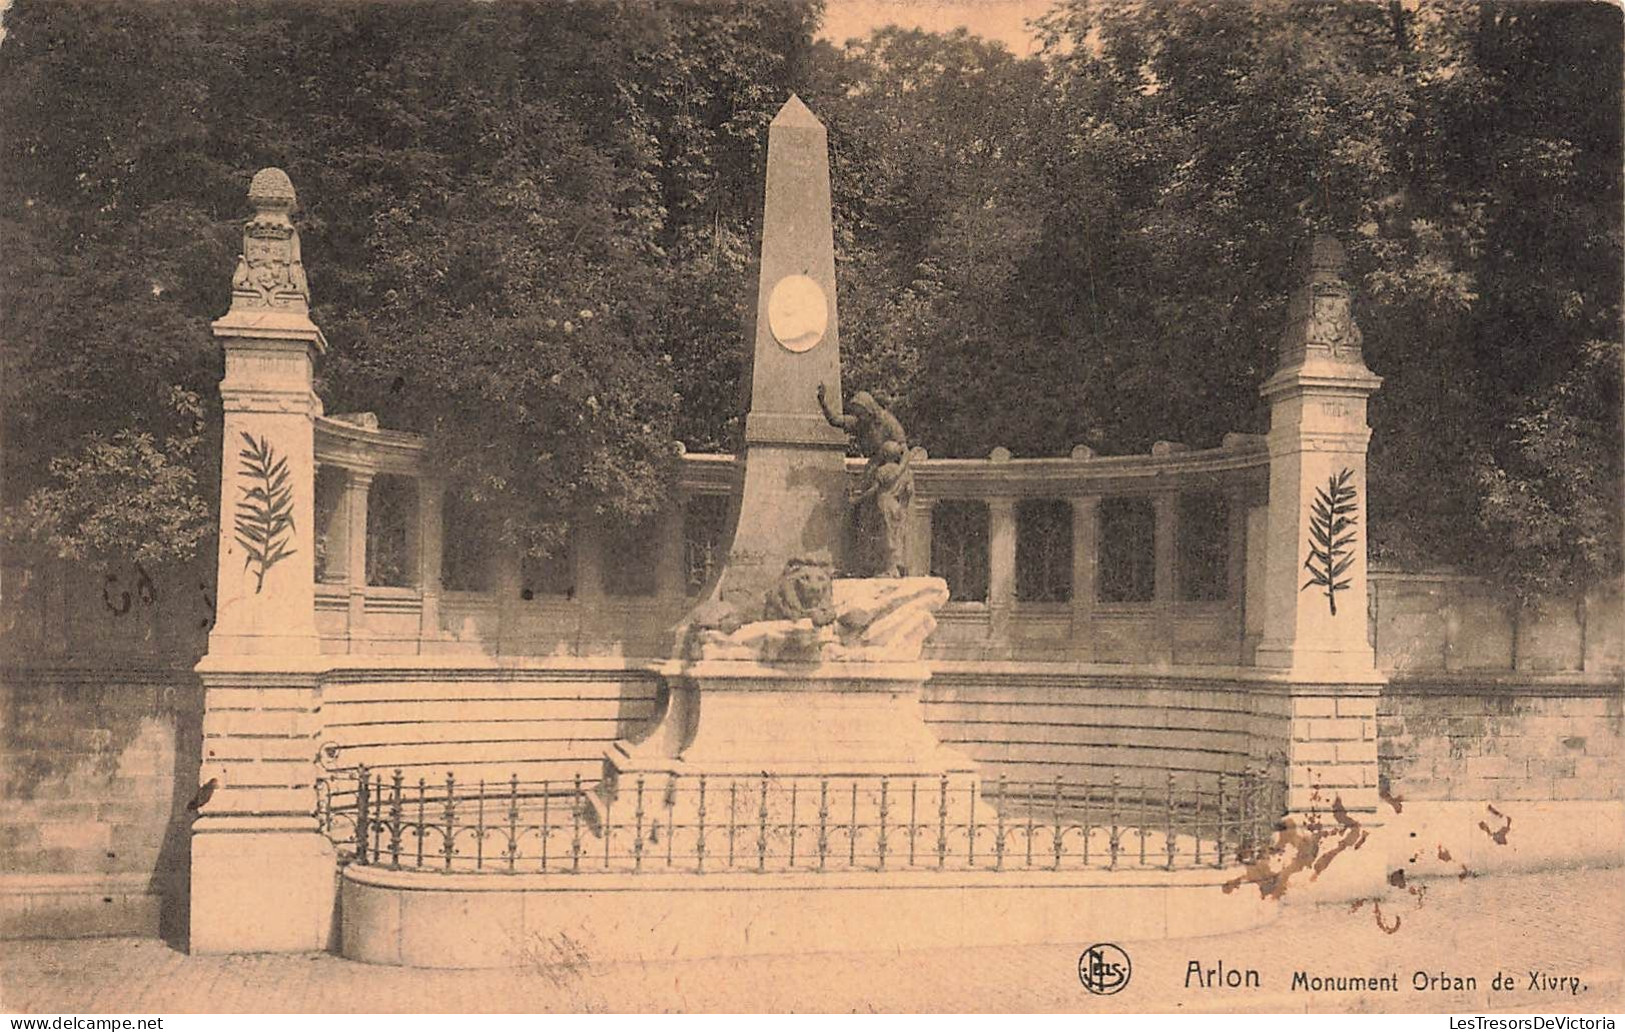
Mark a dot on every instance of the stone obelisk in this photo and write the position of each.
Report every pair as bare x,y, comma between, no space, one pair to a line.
795,486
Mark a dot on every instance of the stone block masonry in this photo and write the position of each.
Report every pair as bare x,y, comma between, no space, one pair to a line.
1466,740
98,767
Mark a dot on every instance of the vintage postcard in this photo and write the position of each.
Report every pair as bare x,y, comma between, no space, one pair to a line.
1073,506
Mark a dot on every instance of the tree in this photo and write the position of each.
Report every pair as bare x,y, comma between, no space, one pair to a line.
530,236
504,212
1469,154
938,174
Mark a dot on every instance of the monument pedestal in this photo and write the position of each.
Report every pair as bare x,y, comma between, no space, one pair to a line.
739,718
846,736
784,701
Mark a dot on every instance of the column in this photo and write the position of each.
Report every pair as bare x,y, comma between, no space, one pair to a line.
919,542
357,490
431,546
670,575
594,622
262,871
1236,566
1085,571
1166,582
589,573
1001,560
507,579
1252,618
412,561
336,530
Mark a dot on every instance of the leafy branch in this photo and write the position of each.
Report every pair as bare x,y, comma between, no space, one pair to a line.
264,522
1330,536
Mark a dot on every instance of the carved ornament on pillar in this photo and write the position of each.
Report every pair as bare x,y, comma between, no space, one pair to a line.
270,272
1320,319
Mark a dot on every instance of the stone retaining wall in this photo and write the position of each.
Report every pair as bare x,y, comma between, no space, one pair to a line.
1496,740
99,765
1030,724
492,723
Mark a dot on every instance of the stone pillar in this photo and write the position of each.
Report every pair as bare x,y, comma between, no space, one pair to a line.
588,555
357,490
1085,573
670,573
508,579
265,598
1252,619
337,532
412,561
1001,566
1317,444
1235,572
920,538
1166,593
1315,561
262,872
431,546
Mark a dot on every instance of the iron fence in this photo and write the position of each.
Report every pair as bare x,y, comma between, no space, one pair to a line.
705,824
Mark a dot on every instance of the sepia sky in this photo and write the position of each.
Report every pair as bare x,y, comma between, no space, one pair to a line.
1003,20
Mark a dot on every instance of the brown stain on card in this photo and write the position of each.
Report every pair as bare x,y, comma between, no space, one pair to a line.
1299,849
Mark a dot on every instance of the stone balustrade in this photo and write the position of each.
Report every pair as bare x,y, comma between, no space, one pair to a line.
1032,569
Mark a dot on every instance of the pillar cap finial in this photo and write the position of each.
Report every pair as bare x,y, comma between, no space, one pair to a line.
271,189
270,271
1320,317
1326,255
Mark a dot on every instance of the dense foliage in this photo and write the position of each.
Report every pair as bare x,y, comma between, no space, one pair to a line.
529,233
1096,246
509,216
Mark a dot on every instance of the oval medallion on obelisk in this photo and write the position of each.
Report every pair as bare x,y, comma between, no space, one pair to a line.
798,313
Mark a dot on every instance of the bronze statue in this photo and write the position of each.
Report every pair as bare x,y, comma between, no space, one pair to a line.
879,520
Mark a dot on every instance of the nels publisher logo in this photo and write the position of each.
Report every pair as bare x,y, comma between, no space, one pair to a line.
1104,969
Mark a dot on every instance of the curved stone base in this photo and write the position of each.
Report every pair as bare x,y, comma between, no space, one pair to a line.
420,919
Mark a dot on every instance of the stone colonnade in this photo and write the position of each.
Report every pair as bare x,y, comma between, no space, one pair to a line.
1234,473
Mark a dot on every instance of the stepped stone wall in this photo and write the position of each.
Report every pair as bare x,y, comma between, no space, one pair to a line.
101,720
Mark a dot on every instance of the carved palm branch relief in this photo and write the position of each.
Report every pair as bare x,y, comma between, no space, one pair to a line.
1331,536
264,521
